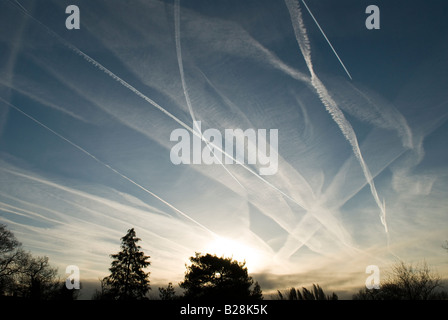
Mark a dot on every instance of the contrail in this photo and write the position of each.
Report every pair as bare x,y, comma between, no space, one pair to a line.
184,84
147,99
350,135
26,213
106,70
18,3
108,166
330,105
323,33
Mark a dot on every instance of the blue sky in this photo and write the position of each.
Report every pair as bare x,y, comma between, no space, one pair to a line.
86,117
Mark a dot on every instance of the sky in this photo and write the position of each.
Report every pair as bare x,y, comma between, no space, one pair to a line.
87,115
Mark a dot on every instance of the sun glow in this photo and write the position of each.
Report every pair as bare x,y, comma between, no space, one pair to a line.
237,250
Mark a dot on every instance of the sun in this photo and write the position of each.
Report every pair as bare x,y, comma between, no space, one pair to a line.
237,250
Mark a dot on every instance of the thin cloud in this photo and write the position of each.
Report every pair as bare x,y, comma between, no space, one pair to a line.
61,203
330,104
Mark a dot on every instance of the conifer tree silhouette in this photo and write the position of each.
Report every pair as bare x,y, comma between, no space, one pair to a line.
128,280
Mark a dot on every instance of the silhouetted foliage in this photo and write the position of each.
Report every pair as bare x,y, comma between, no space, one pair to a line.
37,279
314,294
128,280
168,293
62,293
406,282
257,293
8,241
10,254
104,293
211,277
21,274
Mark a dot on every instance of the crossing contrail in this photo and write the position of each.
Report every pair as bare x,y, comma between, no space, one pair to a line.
149,100
330,105
323,33
108,166
184,84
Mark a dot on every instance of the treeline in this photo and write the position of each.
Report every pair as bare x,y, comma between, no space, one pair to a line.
23,276
407,282
404,282
208,277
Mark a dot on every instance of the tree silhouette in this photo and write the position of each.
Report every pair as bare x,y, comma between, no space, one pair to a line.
21,274
37,279
10,254
62,293
211,277
8,241
128,280
104,293
406,282
167,293
314,294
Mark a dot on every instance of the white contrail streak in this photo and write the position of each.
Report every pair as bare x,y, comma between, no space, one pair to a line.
184,84
18,3
107,166
323,33
329,103
147,99
107,71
